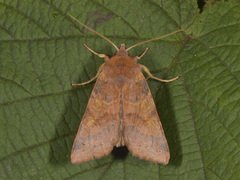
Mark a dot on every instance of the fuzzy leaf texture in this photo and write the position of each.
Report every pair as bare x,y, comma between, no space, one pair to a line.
42,53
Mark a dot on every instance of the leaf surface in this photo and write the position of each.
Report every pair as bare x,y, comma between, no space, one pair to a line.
42,53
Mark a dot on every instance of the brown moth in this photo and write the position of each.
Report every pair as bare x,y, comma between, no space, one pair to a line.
121,110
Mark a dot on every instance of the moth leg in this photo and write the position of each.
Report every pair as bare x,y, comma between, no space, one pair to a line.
139,57
156,78
95,77
99,55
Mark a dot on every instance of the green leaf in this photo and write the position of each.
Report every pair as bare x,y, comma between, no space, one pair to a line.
42,53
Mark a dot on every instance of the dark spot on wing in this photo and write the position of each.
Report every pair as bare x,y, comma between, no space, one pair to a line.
143,86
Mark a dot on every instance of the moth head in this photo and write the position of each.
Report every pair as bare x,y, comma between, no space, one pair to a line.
122,51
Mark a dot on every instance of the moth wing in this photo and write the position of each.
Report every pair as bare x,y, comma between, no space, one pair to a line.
100,125
142,129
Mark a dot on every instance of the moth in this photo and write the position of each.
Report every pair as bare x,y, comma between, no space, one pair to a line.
121,110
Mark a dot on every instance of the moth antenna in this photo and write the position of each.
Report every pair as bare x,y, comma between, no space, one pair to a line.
94,32
154,39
